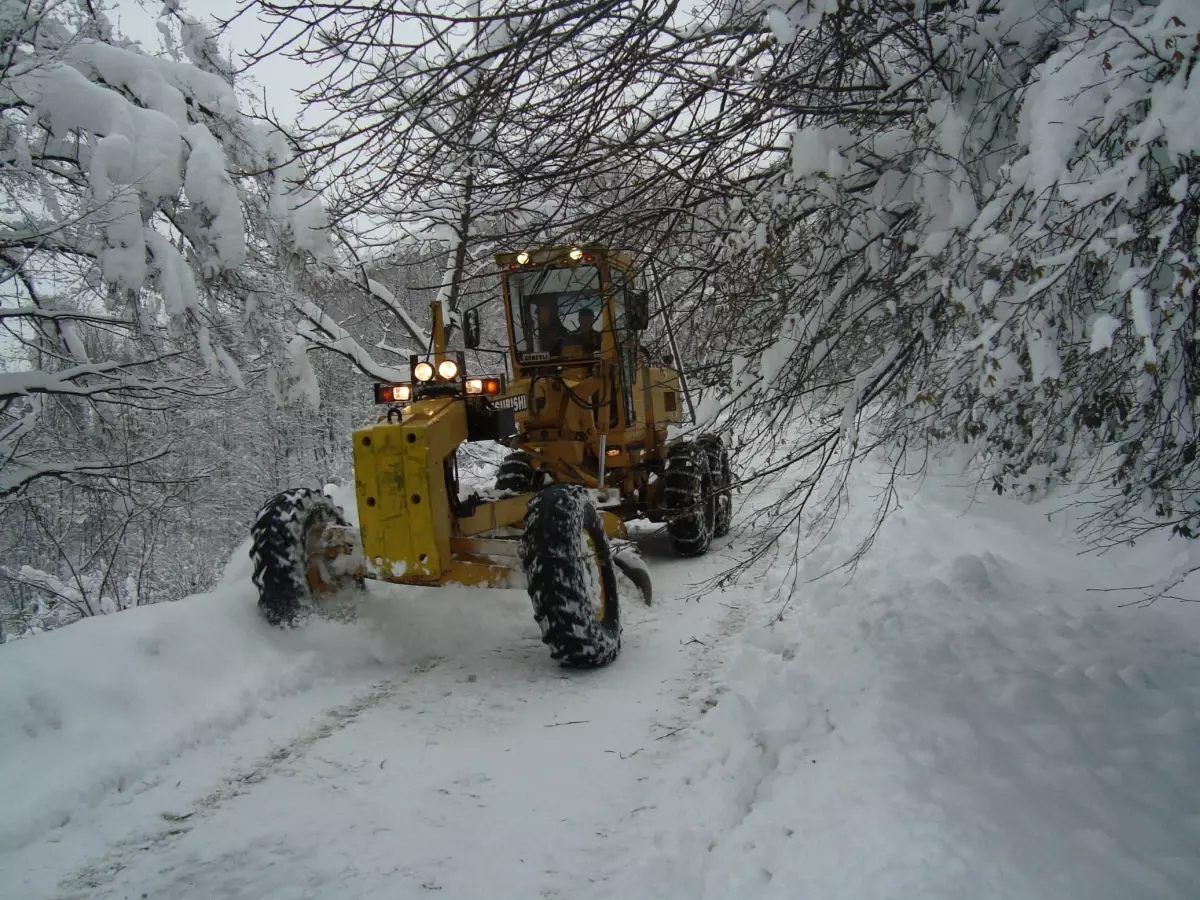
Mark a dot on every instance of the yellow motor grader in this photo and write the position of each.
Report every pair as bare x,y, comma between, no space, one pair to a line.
585,417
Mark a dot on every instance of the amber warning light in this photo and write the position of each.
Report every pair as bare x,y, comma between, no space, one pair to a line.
487,386
393,393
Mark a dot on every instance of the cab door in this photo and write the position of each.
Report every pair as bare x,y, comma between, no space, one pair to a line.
625,340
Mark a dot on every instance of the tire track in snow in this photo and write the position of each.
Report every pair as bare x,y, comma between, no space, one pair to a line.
103,870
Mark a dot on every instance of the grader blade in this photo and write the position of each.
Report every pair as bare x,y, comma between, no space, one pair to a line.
630,562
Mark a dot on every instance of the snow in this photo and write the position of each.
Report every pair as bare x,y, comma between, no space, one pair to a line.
1103,329
1051,116
71,338
172,274
97,707
380,292
780,25
138,107
816,150
302,376
322,330
963,717
209,186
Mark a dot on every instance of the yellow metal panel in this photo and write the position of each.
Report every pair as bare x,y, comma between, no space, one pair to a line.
403,506
478,571
490,516
502,551
614,527
662,382
640,396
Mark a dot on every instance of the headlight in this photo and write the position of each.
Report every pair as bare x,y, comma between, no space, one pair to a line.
474,385
448,369
522,257
576,253
402,393
423,371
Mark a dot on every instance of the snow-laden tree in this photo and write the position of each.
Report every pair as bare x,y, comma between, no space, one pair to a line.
994,241
157,250
130,186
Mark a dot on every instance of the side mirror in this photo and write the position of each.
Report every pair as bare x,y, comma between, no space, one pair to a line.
639,310
470,327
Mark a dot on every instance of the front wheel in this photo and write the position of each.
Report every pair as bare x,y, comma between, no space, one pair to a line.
572,583
286,541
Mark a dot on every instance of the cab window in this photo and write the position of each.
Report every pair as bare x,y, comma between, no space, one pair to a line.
620,297
557,310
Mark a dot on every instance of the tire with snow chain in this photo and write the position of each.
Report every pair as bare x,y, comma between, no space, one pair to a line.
572,583
689,499
516,474
284,534
721,473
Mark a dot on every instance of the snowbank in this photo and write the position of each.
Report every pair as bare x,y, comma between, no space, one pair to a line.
963,718
90,708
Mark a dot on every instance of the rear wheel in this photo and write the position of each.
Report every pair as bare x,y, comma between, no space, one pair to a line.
690,502
286,538
517,474
722,480
572,583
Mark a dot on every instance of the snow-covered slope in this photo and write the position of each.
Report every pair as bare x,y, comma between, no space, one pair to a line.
963,718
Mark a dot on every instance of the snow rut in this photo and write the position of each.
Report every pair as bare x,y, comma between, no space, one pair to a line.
178,824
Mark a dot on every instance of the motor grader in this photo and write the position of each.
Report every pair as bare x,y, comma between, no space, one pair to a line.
585,416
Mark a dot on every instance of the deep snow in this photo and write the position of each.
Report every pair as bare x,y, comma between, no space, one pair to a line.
963,718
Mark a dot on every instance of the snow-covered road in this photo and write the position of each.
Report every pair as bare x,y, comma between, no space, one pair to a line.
963,719
436,748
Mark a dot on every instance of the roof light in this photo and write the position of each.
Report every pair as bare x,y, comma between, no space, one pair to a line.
448,369
423,371
522,257
575,253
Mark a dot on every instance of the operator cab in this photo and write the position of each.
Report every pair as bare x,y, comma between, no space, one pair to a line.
568,306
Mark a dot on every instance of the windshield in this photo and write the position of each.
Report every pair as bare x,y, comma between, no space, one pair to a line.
557,311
